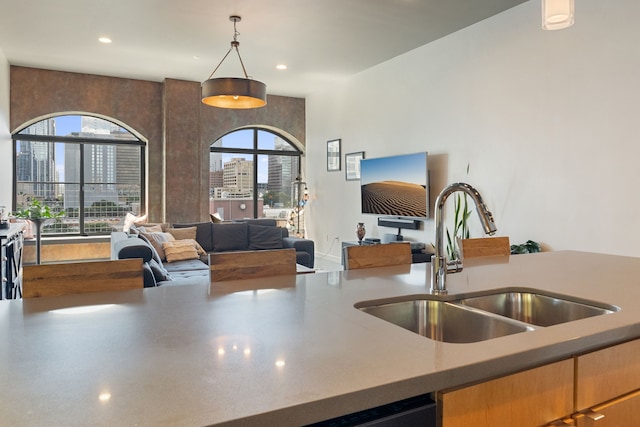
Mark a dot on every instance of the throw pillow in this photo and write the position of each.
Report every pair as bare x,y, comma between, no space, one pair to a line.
159,272
150,228
230,237
183,233
204,233
199,249
130,219
156,240
264,237
154,253
215,217
179,250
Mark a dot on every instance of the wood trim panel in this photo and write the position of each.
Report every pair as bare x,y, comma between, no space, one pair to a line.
381,255
252,264
82,277
624,411
485,246
530,398
606,374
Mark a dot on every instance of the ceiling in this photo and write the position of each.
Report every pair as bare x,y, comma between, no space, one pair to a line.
320,41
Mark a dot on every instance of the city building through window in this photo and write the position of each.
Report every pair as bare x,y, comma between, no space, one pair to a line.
252,174
89,167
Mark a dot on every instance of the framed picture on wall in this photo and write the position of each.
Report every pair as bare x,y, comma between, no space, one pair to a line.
352,165
333,155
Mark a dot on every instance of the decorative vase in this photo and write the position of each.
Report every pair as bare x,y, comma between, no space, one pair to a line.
360,232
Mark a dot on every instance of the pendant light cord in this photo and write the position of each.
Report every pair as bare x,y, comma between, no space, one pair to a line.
234,45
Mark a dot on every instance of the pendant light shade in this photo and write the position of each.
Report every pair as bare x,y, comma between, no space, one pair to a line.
234,92
557,14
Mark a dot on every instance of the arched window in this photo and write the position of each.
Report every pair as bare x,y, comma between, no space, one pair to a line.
89,167
253,174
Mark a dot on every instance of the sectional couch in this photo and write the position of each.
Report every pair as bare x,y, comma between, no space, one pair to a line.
179,262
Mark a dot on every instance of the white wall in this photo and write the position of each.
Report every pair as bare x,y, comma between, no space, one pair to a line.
6,152
547,121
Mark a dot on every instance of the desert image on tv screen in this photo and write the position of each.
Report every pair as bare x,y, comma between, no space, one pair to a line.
395,185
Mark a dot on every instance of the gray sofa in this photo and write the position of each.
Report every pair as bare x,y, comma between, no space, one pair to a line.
238,236
157,272
251,234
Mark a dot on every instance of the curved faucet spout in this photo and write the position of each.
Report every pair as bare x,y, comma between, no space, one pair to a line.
438,259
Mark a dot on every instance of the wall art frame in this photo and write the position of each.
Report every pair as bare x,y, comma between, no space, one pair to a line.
333,155
352,165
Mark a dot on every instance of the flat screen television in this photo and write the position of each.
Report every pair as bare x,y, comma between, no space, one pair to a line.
395,186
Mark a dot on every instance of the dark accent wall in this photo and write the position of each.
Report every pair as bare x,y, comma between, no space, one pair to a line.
184,154
36,92
178,126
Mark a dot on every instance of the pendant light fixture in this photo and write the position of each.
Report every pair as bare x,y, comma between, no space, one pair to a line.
234,92
557,14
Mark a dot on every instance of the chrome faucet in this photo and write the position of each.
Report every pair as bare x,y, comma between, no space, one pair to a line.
439,264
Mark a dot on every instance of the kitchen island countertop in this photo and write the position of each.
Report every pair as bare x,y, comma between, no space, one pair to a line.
281,351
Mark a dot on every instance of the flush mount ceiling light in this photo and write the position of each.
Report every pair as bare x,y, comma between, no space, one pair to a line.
557,14
234,92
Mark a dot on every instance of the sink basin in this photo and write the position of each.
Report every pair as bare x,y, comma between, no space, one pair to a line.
534,308
443,321
482,316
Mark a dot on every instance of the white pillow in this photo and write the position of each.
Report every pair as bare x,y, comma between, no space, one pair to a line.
130,219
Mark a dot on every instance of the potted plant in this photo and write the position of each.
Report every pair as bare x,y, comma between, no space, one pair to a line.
529,247
460,224
37,213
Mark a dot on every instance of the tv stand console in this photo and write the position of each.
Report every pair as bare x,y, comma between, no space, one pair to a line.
399,223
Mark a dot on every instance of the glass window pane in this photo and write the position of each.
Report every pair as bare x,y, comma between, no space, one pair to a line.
231,193
51,172
35,163
242,139
232,198
79,126
271,141
279,173
71,206
94,127
112,185
99,163
27,193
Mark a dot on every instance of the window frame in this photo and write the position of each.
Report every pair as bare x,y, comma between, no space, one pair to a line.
255,152
82,142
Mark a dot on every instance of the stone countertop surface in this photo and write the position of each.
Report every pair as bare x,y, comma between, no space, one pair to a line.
281,351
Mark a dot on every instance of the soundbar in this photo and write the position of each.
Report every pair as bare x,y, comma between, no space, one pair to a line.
409,224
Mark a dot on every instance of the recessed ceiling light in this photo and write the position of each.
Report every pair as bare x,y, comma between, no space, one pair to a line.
105,40
281,67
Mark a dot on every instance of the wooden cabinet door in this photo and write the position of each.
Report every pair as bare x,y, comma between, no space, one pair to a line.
607,374
621,412
529,398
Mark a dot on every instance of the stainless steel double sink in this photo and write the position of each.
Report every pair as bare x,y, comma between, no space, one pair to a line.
482,316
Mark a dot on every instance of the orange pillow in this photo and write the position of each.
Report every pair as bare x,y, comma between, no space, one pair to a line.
179,250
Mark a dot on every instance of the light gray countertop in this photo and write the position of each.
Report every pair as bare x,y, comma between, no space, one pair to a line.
293,352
